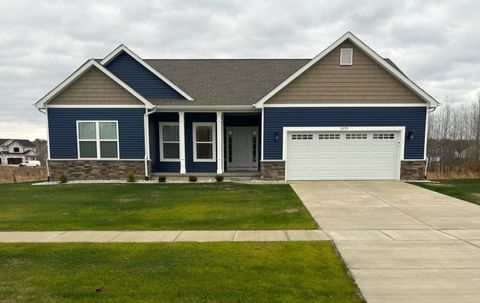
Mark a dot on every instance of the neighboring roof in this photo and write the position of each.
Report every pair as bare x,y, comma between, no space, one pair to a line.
23,142
391,68
224,81
122,48
79,72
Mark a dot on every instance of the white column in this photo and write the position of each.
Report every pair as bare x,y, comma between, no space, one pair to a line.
219,143
181,131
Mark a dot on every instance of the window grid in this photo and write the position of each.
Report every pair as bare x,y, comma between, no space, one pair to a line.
384,136
356,136
254,145
302,136
97,140
329,136
212,142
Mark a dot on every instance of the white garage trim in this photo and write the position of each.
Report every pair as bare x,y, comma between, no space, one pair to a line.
400,129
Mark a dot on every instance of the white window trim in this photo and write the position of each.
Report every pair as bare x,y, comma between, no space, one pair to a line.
213,142
160,132
342,55
97,140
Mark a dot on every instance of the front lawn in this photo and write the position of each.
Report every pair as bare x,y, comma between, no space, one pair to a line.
222,206
468,190
175,272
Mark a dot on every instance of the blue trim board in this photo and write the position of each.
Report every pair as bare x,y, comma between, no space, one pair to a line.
413,118
62,129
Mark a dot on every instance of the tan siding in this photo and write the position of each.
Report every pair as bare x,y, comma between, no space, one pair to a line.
94,87
328,82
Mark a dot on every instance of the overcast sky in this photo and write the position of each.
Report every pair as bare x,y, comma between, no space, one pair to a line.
436,43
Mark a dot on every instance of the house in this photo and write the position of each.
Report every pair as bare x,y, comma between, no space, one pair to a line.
347,113
16,151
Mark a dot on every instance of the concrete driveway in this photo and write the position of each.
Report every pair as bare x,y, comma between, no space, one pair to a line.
401,242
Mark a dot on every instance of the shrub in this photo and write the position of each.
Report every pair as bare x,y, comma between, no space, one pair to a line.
162,179
62,178
192,179
219,178
131,177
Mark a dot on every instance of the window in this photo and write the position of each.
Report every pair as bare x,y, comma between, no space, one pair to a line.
302,136
169,142
16,149
346,56
97,139
383,136
204,142
329,136
356,136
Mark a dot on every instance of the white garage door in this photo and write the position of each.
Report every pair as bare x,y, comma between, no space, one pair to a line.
343,155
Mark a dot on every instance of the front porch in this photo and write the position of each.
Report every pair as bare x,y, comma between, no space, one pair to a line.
205,143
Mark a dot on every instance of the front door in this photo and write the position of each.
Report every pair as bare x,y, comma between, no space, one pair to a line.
242,148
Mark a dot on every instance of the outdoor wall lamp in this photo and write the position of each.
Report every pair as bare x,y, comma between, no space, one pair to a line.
410,136
276,136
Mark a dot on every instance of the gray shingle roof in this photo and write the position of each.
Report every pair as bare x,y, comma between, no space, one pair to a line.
23,142
226,81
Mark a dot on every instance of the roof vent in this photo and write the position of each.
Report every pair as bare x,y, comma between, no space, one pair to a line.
346,56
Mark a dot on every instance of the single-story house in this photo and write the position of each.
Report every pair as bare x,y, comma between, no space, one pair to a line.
346,114
16,151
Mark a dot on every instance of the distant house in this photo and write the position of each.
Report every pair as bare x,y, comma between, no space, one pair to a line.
16,151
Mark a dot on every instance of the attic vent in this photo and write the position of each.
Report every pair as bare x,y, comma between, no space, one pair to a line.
346,56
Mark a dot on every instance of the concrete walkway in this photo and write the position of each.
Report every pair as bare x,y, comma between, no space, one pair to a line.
161,236
402,243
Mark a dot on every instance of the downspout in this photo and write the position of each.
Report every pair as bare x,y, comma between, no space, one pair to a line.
429,111
44,111
146,127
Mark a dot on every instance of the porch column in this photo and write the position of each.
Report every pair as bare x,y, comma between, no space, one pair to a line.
181,139
219,143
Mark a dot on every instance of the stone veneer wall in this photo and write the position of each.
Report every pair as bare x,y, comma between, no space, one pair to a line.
413,170
272,170
97,169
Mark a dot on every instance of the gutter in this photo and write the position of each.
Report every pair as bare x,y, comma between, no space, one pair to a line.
44,111
206,108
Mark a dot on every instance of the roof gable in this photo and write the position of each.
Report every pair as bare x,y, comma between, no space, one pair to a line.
362,82
148,81
391,69
40,104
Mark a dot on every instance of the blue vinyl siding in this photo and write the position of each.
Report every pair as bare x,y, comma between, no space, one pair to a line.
157,165
139,78
190,165
62,130
413,118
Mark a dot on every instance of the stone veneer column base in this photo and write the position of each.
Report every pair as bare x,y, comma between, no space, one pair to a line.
97,169
413,170
272,170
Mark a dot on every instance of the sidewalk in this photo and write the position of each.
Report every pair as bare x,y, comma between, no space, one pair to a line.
161,236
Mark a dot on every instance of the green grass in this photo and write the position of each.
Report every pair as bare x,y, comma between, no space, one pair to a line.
468,190
175,272
221,206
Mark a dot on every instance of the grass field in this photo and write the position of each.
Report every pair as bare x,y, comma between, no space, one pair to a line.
468,190
219,206
178,272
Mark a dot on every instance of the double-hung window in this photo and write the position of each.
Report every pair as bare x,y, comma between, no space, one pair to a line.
97,139
204,142
169,141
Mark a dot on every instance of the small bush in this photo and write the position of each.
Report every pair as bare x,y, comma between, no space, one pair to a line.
192,179
162,179
131,177
219,178
62,178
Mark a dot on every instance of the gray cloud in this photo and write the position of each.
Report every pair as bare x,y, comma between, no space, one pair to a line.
42,42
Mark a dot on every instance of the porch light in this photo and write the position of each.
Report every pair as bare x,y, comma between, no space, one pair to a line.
410,136
276,136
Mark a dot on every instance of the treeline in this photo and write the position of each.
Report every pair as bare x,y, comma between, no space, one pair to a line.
454,140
